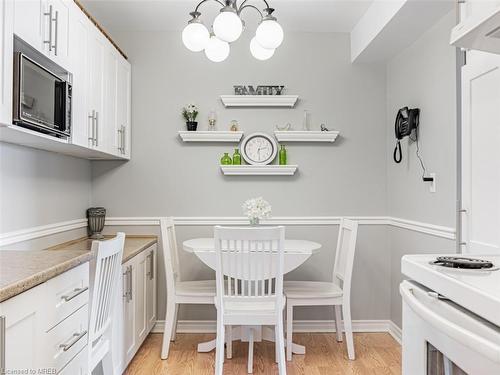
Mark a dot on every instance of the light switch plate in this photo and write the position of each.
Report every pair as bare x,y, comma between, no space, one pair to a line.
432,187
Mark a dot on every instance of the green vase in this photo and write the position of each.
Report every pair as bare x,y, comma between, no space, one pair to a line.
236,157
282,155
226,159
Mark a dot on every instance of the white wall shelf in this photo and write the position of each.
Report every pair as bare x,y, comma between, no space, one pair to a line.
259,170
211,136
306,136
259,100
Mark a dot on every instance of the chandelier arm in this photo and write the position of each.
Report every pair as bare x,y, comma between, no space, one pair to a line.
251,6
204,1
243,3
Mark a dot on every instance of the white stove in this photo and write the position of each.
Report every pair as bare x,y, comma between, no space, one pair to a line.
451,315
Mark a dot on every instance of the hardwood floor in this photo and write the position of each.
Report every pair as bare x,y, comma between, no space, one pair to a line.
376,353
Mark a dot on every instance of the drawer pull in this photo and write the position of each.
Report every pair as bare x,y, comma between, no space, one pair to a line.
73,341
74,294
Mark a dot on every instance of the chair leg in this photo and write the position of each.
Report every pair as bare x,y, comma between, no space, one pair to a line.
167,332
289,328
280,344
250,351
276,346
219,348
346,312
338,322
107,364
174,326
229,342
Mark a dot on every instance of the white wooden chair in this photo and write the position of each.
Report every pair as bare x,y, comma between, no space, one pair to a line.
179,292
249,278
108,261
313,293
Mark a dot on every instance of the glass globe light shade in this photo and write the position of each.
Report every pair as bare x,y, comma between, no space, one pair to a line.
195,36
216,49
259,52
228,26
269,34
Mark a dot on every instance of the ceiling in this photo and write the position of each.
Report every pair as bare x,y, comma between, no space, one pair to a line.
166,15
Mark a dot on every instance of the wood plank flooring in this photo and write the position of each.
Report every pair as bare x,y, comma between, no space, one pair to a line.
376,353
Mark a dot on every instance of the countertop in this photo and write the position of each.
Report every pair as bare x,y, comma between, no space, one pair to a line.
23,270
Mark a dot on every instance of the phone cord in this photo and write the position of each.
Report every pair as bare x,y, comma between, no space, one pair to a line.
397,152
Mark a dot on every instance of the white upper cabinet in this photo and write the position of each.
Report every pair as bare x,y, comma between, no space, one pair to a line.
123,99
109,100
29,20
56,30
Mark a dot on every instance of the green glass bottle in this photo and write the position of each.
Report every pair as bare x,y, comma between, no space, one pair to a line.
226,159
282,155
236,157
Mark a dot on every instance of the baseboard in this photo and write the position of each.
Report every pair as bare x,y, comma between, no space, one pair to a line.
301,326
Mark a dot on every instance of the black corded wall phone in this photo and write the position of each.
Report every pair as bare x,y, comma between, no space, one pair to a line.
406,125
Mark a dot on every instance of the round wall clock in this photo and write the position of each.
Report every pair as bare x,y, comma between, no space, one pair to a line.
259,149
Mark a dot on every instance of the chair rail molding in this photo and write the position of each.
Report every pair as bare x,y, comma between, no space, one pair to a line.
9,238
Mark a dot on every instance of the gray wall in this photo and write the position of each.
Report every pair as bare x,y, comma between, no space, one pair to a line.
40,188
423,76
168,177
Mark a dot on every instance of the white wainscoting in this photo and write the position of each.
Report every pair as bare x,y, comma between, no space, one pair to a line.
27,234
300,326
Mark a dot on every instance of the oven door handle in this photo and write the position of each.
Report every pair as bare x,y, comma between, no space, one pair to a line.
466,337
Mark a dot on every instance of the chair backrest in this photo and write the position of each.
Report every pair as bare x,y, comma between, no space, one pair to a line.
170,253
108,261
344,257
250,263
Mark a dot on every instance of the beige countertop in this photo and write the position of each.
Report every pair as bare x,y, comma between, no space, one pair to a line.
23,270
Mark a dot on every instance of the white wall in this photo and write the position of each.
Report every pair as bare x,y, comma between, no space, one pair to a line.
39,187
422,76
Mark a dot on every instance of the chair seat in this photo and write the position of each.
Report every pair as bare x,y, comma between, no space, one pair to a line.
311,289
204,288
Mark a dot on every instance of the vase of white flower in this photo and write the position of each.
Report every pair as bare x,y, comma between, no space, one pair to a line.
256,209
190,113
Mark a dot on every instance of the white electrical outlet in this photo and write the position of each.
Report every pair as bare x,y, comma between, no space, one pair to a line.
432,188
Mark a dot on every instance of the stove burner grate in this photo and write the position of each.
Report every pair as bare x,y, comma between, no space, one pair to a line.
461,262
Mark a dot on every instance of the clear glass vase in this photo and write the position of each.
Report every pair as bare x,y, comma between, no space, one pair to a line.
254,221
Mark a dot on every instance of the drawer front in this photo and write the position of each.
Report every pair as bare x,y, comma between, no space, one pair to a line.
78,365
63,342
66,293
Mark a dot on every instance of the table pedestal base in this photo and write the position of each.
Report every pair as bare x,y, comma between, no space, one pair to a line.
241,333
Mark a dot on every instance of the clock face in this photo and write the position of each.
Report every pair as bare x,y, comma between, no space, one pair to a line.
259,149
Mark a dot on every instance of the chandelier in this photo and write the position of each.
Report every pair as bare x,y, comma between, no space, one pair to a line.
227,28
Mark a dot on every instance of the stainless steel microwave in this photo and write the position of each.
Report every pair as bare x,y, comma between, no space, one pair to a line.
42,99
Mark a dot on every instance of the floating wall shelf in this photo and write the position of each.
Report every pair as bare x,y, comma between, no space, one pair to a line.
306,136
259,170
211,136
259,100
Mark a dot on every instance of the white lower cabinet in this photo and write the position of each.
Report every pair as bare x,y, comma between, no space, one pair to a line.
46,326
136,313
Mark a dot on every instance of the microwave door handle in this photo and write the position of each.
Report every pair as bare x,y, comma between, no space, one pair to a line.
49,42
467,338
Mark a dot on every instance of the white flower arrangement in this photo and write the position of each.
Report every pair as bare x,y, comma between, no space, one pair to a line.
256,209
190,112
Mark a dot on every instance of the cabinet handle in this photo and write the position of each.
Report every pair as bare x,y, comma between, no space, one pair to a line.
123,138
128,283
119,139
56,21
75,338
74,294
96,129
2,344
49,42
151,272
91,130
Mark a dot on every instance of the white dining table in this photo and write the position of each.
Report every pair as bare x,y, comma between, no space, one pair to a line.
296,253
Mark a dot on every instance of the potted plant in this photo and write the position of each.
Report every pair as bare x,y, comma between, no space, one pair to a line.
190,113
256,209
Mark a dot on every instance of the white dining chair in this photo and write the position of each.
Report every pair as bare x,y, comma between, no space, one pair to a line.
249,276
179,292
108,260
335,293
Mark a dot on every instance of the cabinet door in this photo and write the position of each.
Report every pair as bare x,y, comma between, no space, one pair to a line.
481,154
95,88
151,288
141,325
123,108
80,120
6,38
58,28
29,21
24,321
129,337
109,99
